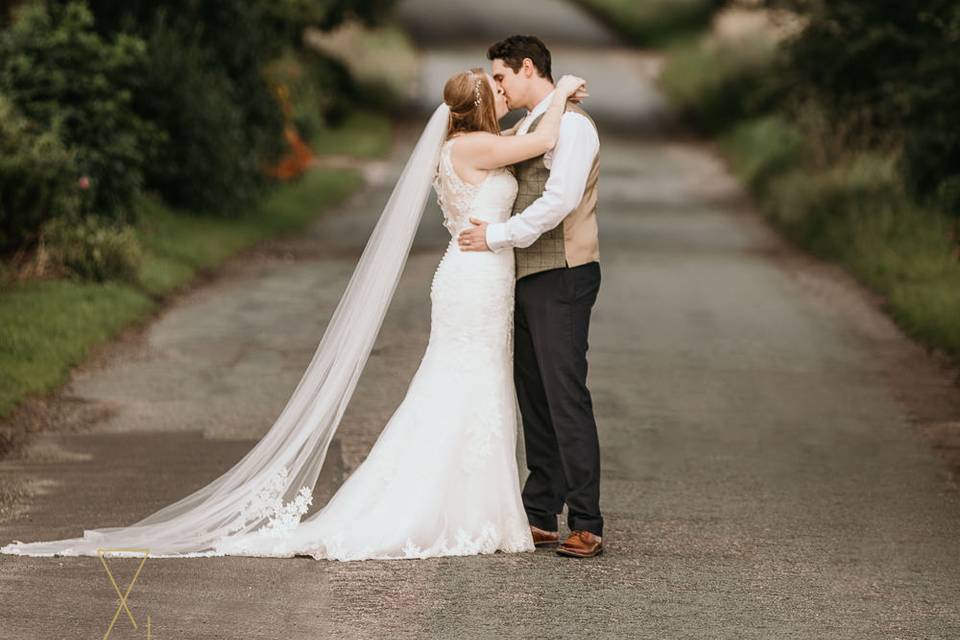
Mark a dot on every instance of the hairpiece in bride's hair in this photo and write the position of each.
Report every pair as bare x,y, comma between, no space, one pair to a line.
476,92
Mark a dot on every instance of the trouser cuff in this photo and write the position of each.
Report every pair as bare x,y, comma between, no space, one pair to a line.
593,526
547,523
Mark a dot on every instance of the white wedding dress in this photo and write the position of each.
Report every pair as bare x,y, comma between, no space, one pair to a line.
442,477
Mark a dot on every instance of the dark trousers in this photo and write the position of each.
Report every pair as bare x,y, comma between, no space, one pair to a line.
551,322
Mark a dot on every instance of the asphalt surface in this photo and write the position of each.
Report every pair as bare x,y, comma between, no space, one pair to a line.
766,472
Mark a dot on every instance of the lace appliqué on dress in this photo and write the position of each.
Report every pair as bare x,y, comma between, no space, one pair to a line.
268,504
486,541
454,195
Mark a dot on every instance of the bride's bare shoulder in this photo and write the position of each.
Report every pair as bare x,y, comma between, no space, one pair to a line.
470,144
473,138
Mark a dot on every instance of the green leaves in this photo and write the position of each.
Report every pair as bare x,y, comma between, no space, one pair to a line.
143,96
37,175
93,249
62,75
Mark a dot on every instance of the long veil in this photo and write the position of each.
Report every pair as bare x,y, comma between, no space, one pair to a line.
286,462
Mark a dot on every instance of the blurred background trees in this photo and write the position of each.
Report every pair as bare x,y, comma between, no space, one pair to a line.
888,76
839,114
857,76
104,100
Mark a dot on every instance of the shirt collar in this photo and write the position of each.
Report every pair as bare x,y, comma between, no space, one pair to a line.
541,106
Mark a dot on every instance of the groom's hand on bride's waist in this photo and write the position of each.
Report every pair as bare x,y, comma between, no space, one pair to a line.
474,238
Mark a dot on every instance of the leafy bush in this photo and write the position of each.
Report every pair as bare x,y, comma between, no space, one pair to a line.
62,75
92,248
167,96
204,162
37,178
817,205
204,86
334,89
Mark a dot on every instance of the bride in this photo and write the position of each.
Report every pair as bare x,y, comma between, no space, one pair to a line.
441,479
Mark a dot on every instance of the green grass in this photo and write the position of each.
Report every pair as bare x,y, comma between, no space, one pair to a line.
856,212
652,22
361,134
46,327
178,244
763,148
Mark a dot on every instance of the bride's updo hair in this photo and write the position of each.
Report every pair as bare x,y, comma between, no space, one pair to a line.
471,103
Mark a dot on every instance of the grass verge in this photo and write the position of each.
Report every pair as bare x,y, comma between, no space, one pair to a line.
363,134
178,245
856,212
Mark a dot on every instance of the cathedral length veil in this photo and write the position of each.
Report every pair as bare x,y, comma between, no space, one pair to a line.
286,462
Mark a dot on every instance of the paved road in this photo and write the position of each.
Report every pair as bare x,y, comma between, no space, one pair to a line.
765,469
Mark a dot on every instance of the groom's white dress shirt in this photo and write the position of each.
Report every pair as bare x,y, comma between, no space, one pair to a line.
573,155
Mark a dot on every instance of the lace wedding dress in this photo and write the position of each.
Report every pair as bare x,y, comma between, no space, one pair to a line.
442,477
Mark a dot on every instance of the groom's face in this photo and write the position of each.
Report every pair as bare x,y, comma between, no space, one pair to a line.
512,83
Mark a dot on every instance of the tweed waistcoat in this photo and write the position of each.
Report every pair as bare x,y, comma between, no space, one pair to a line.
572,242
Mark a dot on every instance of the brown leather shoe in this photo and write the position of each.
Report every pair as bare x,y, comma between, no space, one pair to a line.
581,544
543,538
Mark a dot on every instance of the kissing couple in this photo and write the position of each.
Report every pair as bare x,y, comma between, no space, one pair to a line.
510,312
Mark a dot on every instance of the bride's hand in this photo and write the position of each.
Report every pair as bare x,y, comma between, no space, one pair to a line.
579,95
572,87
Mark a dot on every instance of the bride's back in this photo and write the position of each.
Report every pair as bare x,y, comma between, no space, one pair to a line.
490,200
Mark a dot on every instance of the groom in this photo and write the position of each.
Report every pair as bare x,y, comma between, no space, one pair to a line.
553,233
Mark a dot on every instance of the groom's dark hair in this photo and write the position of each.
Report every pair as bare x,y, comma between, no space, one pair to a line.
515,48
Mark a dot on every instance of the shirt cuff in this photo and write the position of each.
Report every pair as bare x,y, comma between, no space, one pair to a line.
496,237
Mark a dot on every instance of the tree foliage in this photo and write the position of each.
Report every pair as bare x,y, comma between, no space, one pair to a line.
887,74
171,97
61,74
